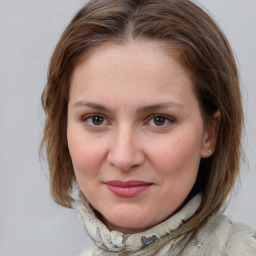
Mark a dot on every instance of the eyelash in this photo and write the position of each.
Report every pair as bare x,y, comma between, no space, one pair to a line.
166,118
91,116
152,118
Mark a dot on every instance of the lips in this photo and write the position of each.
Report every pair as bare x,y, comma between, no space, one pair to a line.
127,188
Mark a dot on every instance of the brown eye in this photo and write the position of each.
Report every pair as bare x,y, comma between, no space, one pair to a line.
159,120
97,120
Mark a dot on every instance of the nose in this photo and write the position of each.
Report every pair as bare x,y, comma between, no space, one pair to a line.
125,152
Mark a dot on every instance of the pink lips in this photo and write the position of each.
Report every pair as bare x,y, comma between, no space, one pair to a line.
127,188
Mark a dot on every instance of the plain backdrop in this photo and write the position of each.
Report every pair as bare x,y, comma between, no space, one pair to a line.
30,222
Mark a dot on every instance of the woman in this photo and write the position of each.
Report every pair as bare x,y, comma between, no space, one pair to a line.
144,113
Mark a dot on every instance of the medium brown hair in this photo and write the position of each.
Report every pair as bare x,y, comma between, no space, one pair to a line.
203,51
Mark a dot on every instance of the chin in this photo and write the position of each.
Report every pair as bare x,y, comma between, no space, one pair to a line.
128,227
128,222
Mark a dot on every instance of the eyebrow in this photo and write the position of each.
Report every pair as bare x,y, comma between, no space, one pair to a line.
160,106
140,110
90,105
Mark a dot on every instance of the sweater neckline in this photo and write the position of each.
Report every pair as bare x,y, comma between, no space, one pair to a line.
115,241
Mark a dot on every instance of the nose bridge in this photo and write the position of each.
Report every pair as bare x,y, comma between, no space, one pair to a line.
125,151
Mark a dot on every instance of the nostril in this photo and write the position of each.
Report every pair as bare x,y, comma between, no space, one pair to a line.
125,161
125,151
121,164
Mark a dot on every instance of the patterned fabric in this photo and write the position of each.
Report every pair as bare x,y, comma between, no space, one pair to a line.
217,237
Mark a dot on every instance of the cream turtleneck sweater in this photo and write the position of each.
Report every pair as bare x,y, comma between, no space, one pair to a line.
218,237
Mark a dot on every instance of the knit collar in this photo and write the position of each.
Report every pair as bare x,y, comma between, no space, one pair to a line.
116,242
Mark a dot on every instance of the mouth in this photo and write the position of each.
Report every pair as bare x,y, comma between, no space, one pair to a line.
127,188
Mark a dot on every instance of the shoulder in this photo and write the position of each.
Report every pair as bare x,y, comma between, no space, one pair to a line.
221,237
241,240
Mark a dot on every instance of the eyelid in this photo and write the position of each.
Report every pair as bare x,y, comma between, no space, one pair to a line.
86,117
167,117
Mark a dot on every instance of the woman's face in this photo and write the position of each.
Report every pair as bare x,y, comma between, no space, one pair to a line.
135,134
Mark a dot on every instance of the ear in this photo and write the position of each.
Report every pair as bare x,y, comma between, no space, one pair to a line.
210,135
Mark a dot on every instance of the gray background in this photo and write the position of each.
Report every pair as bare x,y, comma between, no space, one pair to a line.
30,222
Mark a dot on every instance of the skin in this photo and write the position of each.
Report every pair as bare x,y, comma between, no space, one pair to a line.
127,87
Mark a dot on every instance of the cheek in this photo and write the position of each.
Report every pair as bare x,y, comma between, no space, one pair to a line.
86,155
177,157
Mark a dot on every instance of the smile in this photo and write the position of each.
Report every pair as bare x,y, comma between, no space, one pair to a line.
127,188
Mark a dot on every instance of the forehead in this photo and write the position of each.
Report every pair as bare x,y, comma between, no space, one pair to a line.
135,58
131,76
